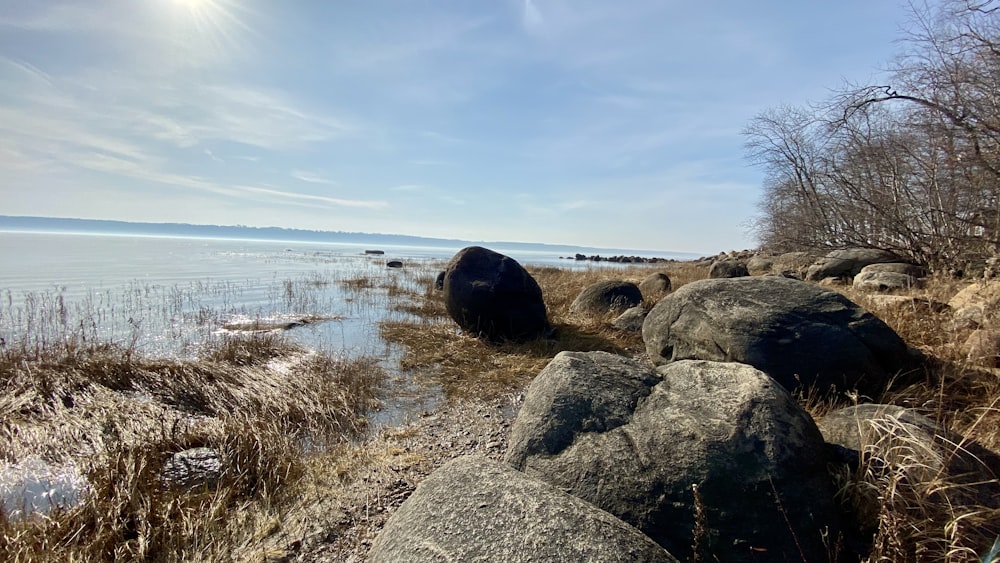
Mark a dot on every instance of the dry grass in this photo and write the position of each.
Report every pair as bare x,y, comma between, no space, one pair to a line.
438,353
257,400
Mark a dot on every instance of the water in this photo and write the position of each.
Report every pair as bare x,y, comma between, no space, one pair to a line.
165,296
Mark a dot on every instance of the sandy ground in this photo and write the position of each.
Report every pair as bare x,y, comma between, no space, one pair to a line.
352,492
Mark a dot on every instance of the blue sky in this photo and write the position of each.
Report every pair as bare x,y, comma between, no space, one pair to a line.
585,122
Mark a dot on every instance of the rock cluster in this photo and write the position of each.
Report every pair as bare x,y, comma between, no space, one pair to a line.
622,259
701,454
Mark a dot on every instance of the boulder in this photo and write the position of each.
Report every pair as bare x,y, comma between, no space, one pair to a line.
902,439
491,295
899,303
654,286
884,281
796,263
976,303
847,262
605,297
911,270
703,456
727,269
983,348
394,264
796,332
475,509
760,264
193,468
631,320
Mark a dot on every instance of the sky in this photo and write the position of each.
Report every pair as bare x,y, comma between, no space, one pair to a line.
581,122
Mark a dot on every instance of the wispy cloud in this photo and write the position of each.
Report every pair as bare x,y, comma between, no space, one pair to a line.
312,177
338,202
123,167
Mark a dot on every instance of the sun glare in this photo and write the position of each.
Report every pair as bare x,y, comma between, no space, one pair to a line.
211,25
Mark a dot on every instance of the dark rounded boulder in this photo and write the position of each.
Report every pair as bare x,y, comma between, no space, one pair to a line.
491,295
713,461
607,296
796,332
475,509
728,269
655,285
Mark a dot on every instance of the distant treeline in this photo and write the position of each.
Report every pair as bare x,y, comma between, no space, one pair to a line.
54,224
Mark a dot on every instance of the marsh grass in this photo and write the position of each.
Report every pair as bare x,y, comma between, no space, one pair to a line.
438,353
258,400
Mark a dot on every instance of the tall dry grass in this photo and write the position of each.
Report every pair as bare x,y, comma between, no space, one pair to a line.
258,401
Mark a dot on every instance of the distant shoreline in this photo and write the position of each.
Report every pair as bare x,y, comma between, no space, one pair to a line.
53,225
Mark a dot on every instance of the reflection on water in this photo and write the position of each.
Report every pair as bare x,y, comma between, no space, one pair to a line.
35,486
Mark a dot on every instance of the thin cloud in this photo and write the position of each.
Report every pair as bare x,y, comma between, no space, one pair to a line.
338,202
312,177
408,188
27,69
123,167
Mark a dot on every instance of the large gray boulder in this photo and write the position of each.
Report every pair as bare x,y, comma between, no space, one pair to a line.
491,295
794,331
847,262
607,296
701,456
475,509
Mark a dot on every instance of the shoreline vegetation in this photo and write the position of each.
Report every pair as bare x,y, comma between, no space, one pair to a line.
303,476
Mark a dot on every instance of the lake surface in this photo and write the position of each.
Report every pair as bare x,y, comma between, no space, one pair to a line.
164,295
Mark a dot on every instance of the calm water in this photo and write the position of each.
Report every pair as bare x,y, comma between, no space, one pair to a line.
168,294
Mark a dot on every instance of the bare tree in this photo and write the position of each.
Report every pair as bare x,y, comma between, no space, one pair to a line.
912,166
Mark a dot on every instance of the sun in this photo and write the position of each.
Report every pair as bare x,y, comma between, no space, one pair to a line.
209,25
197,7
